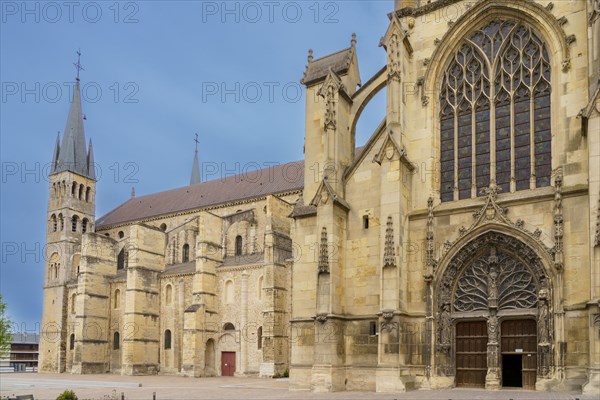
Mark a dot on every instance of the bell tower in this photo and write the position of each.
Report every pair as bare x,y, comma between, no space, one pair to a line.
71,210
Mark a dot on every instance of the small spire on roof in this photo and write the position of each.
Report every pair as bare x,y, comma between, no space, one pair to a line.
353,40
310,55
133,192
195,178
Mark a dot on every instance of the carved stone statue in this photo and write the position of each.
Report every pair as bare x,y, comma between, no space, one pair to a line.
444,326
492,325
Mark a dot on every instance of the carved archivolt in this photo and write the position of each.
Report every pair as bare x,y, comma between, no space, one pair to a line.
492,273
515,287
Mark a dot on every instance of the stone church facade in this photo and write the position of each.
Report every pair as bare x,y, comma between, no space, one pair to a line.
459,247
192,281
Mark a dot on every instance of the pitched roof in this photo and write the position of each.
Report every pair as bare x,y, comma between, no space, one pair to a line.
318,69
273,180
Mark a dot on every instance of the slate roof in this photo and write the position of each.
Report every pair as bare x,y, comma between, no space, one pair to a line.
273,180
318,69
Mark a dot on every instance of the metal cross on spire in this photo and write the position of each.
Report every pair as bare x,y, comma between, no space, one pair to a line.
78,64
197,141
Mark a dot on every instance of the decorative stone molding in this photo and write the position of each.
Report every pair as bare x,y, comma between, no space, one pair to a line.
387,314
497,281
323,253
389,326
595,13
325,193
558,221
597,238
389,256
330,91
322,318
430,262
389,148
394,62
492,212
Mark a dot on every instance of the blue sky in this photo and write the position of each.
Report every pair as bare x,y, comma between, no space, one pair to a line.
156,72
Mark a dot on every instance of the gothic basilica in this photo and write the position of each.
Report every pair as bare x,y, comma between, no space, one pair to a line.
459,247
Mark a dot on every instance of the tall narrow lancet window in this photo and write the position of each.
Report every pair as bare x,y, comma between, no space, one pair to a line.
238,245
167,339
495,113
74,223
185,253
121,259
84,225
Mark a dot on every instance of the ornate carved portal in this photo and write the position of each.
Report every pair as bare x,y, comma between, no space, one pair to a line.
494,277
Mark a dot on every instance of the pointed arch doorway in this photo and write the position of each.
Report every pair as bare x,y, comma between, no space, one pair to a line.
493,320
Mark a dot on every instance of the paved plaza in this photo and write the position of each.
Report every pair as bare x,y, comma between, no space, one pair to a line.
105,387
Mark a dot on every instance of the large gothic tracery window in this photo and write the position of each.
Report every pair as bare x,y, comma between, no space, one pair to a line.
495,113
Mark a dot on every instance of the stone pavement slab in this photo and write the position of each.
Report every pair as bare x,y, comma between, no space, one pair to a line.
109,387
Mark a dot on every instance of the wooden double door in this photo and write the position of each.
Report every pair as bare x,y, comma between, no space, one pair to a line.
518,357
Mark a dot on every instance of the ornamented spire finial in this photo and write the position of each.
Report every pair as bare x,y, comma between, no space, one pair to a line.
133,192
310,55
389,256
78,65
353,40
196,140
323,253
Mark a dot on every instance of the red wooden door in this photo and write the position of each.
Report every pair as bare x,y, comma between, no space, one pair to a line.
227,363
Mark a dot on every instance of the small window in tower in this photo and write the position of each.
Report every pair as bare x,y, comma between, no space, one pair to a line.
84,225
116,341
185,253
169,294
54,223
80,192
74,223
61,220
88,190
72,341
73,189
373,328
238,245
121,234
167,339
259,337
121,259
117,299
365,222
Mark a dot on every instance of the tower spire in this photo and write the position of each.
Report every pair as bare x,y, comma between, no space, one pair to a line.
195,178
73,155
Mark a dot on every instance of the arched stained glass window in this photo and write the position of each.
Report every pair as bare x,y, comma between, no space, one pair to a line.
495,113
